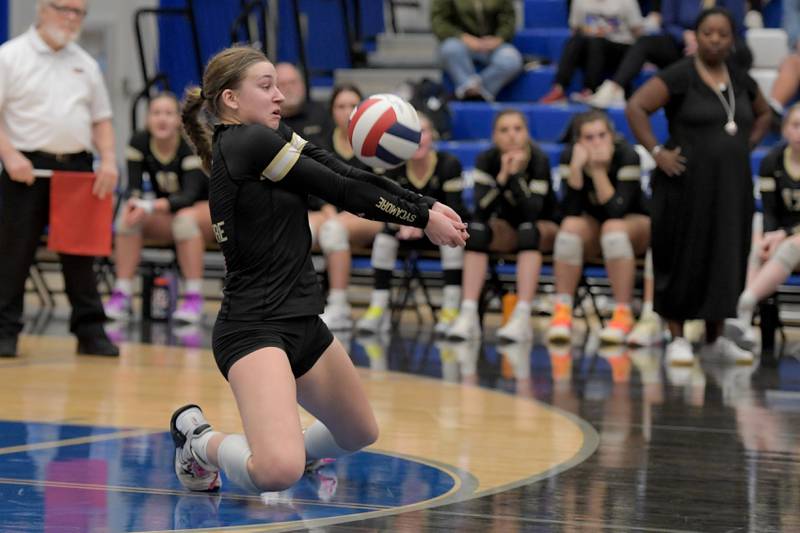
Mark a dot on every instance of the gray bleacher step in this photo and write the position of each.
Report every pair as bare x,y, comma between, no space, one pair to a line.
384,60
405,51
404,42
372,81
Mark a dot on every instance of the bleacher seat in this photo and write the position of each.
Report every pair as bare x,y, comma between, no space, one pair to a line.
545,14
765,77
546,43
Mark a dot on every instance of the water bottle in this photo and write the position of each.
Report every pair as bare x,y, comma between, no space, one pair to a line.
163,296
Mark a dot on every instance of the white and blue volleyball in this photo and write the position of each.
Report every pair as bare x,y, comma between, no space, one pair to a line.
384,131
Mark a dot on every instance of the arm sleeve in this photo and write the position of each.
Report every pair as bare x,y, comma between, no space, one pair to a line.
770,199
193,183
326,158
577,14
101,103
572,202
506,21
442,15
676,77
530,196
307,176
628,186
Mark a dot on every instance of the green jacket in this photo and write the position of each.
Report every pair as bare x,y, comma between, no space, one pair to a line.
451,18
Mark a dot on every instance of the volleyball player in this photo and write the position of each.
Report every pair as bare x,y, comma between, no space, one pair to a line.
269,341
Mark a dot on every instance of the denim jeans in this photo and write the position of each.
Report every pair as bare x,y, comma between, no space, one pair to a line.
502,65
791,21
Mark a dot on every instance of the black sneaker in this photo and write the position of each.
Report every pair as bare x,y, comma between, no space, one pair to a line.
97,345
8,347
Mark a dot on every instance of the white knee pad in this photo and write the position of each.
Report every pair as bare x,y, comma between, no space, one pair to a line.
568,248
384,251
233,455
616,245
452,257
788,255
184,227
333,237
120,228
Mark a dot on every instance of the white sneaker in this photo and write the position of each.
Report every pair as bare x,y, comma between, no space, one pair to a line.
375,320
337,317
727,351
187,424
740,332
648,331
694,331
517,329
679,352
609,94
466,327
446,319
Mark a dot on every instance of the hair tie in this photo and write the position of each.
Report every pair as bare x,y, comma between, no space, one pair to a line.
202,93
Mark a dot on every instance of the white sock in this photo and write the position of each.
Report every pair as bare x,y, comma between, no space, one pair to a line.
746,306
193,286
380,298
337,297
125,286
200,448
451,295
647,309
564,298
522,307
469,306
320,443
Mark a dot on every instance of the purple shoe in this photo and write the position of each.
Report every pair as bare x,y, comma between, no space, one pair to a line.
118,306
191,310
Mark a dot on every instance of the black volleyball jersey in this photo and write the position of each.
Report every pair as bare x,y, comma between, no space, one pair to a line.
178,177
780,192
625,175
527,195
260,182
444,182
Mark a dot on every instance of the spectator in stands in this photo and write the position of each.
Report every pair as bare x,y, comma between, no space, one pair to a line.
54,108
776,254
477,31
178,213
604,217
334,231
702,204
602,32
515,211
437,175
786,85
307,117
678,39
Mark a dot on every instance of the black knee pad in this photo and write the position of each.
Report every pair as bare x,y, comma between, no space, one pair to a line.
527,236
480,236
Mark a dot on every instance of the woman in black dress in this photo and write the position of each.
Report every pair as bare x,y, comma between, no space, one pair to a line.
702,189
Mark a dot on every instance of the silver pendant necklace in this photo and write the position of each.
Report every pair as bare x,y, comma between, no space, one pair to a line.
730,105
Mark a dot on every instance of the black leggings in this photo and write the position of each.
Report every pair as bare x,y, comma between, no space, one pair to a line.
597,56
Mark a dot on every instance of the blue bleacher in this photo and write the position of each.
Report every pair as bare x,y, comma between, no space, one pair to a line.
467,151
546,43
546,14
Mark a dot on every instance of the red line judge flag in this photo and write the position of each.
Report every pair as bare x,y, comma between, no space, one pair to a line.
80,222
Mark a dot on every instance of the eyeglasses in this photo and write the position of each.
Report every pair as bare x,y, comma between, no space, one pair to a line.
66,10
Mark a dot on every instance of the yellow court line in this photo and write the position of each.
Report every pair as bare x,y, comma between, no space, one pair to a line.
77,440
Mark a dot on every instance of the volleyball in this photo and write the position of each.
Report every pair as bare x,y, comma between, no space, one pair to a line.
384,131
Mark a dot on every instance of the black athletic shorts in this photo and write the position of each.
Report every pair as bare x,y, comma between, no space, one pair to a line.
304,339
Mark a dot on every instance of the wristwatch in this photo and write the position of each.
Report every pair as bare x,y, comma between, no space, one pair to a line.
657,148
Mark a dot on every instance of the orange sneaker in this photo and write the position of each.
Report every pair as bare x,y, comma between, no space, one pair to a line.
618,327
560,329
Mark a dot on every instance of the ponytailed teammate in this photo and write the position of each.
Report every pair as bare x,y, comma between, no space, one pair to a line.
269,341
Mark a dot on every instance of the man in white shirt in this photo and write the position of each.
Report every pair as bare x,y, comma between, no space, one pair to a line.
54,109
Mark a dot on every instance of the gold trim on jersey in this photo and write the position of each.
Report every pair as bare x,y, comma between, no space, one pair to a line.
453,185
489,198
132,154
285,160
344,149
191,162
483,178
629,173
165,158
539,186
792,170
766,184
421,181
